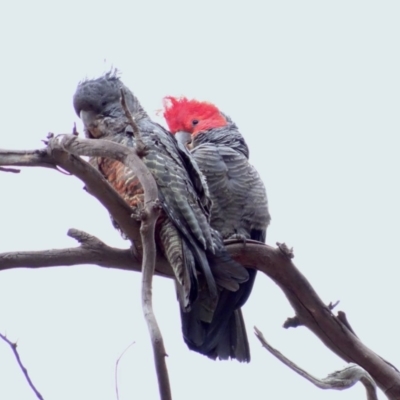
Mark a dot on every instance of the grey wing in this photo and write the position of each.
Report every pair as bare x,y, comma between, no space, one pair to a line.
181,199
240,205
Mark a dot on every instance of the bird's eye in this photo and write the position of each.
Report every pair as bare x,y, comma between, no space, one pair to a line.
195,122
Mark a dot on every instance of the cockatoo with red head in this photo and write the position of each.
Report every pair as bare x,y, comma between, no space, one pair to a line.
239,200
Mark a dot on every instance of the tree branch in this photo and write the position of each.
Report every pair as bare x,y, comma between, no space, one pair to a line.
95,183
116,369
23,369
275,262
316,316
148,216
91,251
13,170
339,380
308,306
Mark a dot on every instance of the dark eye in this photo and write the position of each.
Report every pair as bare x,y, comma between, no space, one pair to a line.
195,122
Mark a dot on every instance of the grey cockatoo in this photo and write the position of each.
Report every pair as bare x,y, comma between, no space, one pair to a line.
239,199
203,269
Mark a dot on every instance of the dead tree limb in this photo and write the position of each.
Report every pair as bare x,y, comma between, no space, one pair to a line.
21,366
148,217
316,316
338,380
95,183
309,309
91,251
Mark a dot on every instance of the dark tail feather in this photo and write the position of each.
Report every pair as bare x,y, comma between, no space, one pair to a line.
225,336
242,351
193,328
235,344
228,340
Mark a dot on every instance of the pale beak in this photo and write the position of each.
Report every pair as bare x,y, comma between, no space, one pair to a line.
87,117
185,138
89,122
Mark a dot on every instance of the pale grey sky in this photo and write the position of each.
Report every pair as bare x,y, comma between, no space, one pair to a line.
314,87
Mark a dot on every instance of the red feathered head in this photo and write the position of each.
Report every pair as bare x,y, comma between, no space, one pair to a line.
191,116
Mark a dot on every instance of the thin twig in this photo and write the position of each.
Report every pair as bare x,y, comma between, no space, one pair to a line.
339,380
116,369
331,305
13,170
23,369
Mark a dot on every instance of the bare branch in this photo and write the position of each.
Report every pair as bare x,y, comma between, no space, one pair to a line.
341,316
316,316
26,158
121,213
23,369
276,263
308,306
91,251
116,369
339,380
13,170
149,216
331,305
95,183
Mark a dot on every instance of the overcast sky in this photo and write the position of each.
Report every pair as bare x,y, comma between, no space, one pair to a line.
314,88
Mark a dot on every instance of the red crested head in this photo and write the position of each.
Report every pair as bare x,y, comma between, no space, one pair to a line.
191,116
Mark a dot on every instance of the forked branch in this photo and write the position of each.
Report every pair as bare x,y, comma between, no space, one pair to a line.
338,380
310,311
148,217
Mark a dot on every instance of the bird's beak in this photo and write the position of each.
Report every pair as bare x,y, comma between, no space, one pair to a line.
90,122
87,117
185,138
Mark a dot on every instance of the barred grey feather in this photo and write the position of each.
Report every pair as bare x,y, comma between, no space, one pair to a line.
183,233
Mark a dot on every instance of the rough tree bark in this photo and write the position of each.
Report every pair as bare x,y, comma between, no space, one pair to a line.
276,262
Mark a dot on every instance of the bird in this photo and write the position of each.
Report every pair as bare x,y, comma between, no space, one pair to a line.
203,269
239,200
